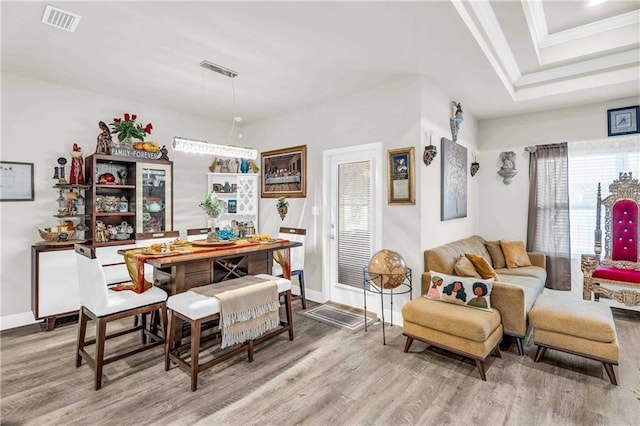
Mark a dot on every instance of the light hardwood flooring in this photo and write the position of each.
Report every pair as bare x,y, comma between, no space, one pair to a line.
326,376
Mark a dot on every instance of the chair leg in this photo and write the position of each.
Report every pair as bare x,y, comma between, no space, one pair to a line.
497,352
287,302
82,330
480,365
169,336
143,320
195,353
250,351
407,344
608,367
101,332
302,295
519,345
540,353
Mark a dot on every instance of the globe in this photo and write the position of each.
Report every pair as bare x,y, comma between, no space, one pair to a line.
387,269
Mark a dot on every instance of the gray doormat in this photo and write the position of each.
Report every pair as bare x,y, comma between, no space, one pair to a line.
341,317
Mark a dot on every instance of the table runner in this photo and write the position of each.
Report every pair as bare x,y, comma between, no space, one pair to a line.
249,307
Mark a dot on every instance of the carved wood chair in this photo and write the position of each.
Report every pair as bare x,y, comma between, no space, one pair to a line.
103,305
617,275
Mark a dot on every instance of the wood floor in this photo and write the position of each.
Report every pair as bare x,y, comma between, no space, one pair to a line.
326,376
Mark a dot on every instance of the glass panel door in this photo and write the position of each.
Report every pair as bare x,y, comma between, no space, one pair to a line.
154,198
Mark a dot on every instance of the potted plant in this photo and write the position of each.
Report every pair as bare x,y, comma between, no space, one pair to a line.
128,129
211,206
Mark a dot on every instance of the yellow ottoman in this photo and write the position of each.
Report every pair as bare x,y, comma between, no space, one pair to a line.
575,326
466,331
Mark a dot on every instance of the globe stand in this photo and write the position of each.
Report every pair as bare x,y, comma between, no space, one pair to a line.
374,283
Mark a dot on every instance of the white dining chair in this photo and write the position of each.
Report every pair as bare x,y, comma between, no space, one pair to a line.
103,306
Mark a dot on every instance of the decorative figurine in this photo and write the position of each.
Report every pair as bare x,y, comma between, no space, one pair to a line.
283,207
76,175
164,153
430,151
253,166
508,170
456,120
59,171
104,139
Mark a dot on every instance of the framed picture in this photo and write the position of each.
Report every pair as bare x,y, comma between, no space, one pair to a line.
623,121
284,173
453,191
16,181
400,176
217,187
232,206
234,188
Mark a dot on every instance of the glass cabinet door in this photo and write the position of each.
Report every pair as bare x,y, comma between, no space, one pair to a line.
154,198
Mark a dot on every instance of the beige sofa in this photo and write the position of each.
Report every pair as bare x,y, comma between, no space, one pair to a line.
513,295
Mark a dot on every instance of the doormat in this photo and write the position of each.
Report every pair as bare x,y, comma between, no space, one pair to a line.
340,316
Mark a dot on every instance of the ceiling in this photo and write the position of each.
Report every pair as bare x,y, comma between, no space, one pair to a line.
497,58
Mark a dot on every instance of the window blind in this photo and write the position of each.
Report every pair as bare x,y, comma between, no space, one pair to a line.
354,221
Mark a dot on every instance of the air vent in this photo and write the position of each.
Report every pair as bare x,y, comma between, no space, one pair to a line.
60,18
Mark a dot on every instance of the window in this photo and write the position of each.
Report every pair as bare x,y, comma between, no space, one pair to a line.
354,222
590,163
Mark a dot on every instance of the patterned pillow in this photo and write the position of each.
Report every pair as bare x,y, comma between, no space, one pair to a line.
466,291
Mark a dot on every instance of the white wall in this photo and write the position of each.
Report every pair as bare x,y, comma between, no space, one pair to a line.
394,115
41,122
503,209
435,113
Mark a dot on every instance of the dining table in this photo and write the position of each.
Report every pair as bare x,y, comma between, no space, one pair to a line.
196,265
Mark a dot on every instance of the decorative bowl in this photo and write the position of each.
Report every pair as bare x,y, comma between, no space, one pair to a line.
122,236
225,234
55,235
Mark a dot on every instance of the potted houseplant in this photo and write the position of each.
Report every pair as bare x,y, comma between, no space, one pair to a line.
128,129
211,206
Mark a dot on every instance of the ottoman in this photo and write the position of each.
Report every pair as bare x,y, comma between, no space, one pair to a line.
463,330
575,326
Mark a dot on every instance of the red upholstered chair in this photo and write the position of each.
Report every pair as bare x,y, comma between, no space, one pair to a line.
617,275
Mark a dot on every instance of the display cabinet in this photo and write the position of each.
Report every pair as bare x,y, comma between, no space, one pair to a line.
239,195
128,197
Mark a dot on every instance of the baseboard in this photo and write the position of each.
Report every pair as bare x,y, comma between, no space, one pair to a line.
314,296
16,320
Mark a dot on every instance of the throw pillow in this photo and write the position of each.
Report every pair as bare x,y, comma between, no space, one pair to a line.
515,254
465,291
465,268
482,266
497,256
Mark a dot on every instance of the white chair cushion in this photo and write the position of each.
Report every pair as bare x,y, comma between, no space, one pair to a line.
195,305
118,301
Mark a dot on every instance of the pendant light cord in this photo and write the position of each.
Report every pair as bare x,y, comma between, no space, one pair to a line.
233,110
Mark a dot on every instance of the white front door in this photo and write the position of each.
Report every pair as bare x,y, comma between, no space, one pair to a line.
353,191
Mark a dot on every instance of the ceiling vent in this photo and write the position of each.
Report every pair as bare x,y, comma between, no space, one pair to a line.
61,19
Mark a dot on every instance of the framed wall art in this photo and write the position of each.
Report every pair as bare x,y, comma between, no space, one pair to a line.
284,173
623,121
400,176
453,193
16,181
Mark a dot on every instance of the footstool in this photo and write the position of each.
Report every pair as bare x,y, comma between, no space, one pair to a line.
575,326
463,330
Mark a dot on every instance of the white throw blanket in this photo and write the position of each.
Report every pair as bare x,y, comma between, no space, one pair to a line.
249,307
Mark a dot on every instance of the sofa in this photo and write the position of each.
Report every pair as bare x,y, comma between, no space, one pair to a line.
513,294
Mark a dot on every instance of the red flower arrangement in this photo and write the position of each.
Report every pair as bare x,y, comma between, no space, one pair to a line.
129,129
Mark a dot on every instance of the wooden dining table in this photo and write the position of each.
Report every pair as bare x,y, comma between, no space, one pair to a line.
205,265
